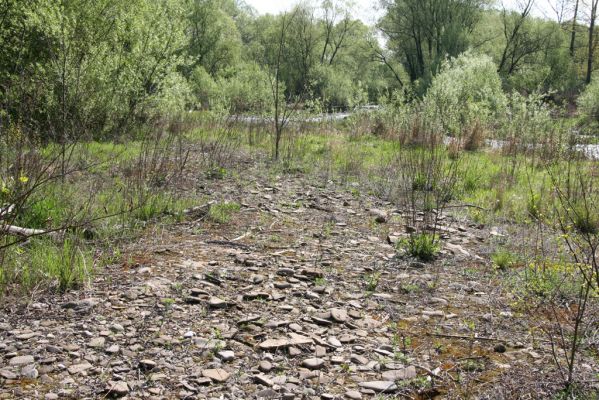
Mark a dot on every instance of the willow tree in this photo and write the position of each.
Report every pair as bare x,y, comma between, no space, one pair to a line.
422,33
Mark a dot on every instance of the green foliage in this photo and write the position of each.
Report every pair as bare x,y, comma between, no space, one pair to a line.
424,246
95,66
423,33
527,121
550,279
247,89
467,89
337,89
588,102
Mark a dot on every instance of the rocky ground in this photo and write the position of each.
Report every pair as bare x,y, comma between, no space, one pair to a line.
300,296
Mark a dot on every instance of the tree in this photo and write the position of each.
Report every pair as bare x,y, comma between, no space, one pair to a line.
518,42
593,18
573,33
335,31
281,110
214,40
424,32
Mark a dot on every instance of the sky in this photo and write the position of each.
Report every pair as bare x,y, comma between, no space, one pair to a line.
368,10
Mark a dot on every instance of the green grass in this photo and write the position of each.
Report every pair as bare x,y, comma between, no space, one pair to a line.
45,262
222,213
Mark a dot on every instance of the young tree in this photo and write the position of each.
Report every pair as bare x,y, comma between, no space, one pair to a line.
281,110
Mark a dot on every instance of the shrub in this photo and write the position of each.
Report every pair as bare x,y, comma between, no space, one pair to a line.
588,102
337,89
527,122
204,89
247,88
466,91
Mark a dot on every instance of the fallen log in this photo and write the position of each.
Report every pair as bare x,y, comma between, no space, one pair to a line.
28,232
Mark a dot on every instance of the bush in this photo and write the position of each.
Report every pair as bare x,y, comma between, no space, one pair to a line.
204,88
466,91
247,89
588,102
337,89
424,246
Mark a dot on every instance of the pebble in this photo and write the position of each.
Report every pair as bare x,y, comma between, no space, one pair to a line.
265,366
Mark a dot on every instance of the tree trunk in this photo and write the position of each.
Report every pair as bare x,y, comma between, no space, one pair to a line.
591,40
573,35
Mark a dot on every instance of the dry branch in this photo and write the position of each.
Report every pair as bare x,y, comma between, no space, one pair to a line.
27,232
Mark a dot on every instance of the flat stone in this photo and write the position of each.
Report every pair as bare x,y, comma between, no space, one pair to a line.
269,394
320,351
217,374
114,349
401,374
379,386
358,359
379,215
118,389
313,363
21,360
353,395
79,368
273,344
147,365
226,355
215,302
97,343
338,315
263,380
333,341
256,296
313,272
29,372
6,374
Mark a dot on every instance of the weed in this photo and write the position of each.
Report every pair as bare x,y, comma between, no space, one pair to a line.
168,303
409,288
372,281
533,206
503,259
320,281
424,246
